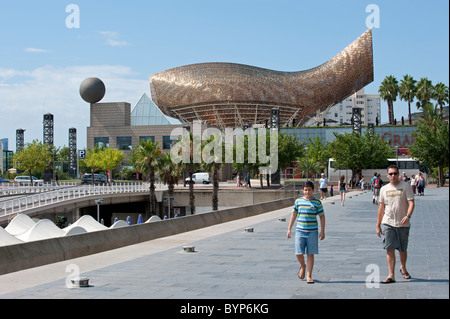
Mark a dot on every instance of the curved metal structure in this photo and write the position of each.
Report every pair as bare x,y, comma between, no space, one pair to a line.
232,95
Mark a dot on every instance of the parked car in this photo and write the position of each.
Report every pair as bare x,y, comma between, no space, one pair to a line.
25,180
98,179
199,178
3,180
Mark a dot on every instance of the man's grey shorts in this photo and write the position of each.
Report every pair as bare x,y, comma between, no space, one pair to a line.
395,237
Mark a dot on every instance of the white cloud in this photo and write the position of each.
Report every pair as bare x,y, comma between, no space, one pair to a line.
112,39
26,95
36,50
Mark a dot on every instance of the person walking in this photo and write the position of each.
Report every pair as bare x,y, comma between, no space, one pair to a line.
420,184
305,212
362,182
238,180
323,185
342,189
413,183
373,189
393,222
377,183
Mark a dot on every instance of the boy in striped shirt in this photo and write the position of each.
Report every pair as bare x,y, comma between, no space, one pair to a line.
305,212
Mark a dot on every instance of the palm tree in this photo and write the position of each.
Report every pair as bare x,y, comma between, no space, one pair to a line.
311,166
169,174
424,92
213,163
388,92
191,165
430,116
145,158
407,90
440,94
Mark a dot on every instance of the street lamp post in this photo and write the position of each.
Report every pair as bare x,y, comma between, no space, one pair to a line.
169,198
98,202
307,163
396,153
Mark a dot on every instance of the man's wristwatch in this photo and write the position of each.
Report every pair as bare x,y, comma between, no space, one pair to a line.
409,216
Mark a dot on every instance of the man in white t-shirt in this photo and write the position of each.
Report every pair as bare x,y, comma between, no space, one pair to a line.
394,212
323,185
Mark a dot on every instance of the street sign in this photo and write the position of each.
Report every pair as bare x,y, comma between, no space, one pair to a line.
81,154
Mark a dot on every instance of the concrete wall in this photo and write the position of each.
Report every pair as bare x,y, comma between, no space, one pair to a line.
33,254
230,197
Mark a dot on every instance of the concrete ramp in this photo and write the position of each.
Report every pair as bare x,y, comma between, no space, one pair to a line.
88,223
20,225
7,239
43,229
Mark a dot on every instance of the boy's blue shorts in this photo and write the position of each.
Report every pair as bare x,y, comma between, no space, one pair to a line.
306,242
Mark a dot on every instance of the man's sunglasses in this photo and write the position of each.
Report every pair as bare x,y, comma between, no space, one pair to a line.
392,174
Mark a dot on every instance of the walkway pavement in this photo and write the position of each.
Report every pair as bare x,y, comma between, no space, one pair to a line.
230,263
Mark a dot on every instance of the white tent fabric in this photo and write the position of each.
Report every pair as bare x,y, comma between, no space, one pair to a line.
43,229
87,222
154,218
74,231
7,239
119,223
24,229
20,225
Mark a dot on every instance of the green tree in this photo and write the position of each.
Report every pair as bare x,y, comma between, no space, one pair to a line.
424,92
317,159
62,154
246,164
190,159
360,151
307,166
110,158
280,145
36,156
145,158
92,160
440,94
388,92
289,150
407,90
102,159
169,174
213,155
431,140
319,153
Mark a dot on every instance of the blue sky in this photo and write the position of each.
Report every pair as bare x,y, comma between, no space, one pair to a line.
43,62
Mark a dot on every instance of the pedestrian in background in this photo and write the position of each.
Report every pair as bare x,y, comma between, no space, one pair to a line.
377,183
420,184
373,189
323,185
342,189
413,183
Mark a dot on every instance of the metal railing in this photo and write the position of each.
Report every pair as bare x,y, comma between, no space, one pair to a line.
24,203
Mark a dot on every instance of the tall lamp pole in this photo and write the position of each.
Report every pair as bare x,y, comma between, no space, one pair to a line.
307,163
98,202
396,153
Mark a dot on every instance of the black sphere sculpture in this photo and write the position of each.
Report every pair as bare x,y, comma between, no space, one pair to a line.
92,90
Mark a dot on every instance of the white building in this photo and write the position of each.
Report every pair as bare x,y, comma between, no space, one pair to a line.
341,113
